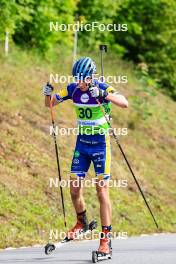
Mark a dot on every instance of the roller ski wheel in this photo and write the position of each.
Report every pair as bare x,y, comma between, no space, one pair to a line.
98,256
49,248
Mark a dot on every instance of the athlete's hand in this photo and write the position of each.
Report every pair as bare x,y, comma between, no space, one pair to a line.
47,89
98,93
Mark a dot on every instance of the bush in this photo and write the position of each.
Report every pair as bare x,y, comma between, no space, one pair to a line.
151,38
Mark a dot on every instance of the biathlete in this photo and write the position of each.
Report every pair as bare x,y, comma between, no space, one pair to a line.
93,141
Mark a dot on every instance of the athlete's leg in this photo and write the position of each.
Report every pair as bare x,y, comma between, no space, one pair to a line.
80,165
104,200
79,205
102,163
76,192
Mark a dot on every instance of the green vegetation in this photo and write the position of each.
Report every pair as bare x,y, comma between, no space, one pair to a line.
29,207
150,38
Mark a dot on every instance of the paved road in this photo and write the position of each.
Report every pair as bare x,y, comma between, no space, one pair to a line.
155,249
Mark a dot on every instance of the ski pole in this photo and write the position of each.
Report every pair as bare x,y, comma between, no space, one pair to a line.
104,48
57,159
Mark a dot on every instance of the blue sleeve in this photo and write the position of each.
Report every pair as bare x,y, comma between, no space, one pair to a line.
101,85
104,86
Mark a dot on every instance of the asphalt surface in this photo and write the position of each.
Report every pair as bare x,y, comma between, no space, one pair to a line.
155,249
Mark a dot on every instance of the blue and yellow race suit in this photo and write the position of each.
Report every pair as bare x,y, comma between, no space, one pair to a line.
93,141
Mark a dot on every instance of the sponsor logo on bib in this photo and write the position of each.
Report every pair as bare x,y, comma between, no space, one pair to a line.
84,98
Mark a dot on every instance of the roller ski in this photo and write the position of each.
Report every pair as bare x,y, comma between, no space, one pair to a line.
77,231
104,251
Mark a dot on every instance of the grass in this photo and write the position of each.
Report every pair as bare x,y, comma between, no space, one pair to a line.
29,207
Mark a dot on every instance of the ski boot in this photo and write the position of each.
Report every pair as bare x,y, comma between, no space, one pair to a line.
104,251
77,230
80,228
50,247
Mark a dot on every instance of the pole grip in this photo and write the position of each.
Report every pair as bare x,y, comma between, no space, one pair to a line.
103,47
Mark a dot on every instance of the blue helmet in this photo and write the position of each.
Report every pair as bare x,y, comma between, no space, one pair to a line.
84,67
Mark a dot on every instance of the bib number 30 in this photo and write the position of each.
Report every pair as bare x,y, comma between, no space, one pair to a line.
85,112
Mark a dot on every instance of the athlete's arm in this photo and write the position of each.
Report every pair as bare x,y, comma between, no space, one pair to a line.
47,91
52,99
109,93
114,97
55,98
117,99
